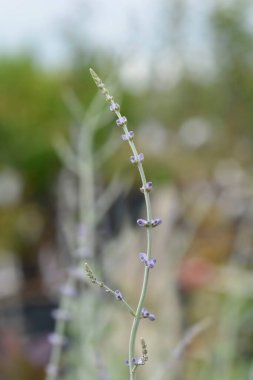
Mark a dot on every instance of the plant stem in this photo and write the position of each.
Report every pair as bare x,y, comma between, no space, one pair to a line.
137,316
109,290
60,326
87,184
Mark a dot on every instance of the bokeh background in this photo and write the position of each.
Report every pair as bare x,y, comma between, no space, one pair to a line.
182,71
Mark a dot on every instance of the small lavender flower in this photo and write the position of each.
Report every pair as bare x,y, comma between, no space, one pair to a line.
136,159
147,188
121,121
134,361
57,339
114,107
140,361
156,222
151,317
142,222
128,136
151,263
144,312
143,257
118,295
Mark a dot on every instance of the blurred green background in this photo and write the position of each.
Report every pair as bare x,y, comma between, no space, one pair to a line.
183,71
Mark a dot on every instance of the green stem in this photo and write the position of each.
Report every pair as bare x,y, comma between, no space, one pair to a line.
109,290
137,317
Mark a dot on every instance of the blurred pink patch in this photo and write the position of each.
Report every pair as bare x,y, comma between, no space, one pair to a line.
195,273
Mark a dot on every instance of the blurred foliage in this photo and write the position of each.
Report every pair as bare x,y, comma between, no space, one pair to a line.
32,112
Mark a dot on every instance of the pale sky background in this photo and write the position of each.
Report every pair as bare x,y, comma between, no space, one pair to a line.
38,25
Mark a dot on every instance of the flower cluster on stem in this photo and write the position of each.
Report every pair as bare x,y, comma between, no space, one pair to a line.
137,159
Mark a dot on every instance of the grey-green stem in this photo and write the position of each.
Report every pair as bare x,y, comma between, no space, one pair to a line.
137,317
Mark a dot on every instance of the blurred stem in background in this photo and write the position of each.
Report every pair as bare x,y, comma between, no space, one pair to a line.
91,211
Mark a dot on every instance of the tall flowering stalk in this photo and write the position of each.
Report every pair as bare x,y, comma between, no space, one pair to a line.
148,223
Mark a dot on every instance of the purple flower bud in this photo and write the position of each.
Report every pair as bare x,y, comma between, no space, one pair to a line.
121,121
128,136
151,263
140,361
156,222
148,187
142,222
61,314
118,295
144,312
151,317
139,158
114,107
134,360
57,339
143,257
133,159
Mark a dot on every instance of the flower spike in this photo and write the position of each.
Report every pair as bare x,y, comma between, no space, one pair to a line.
146,258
